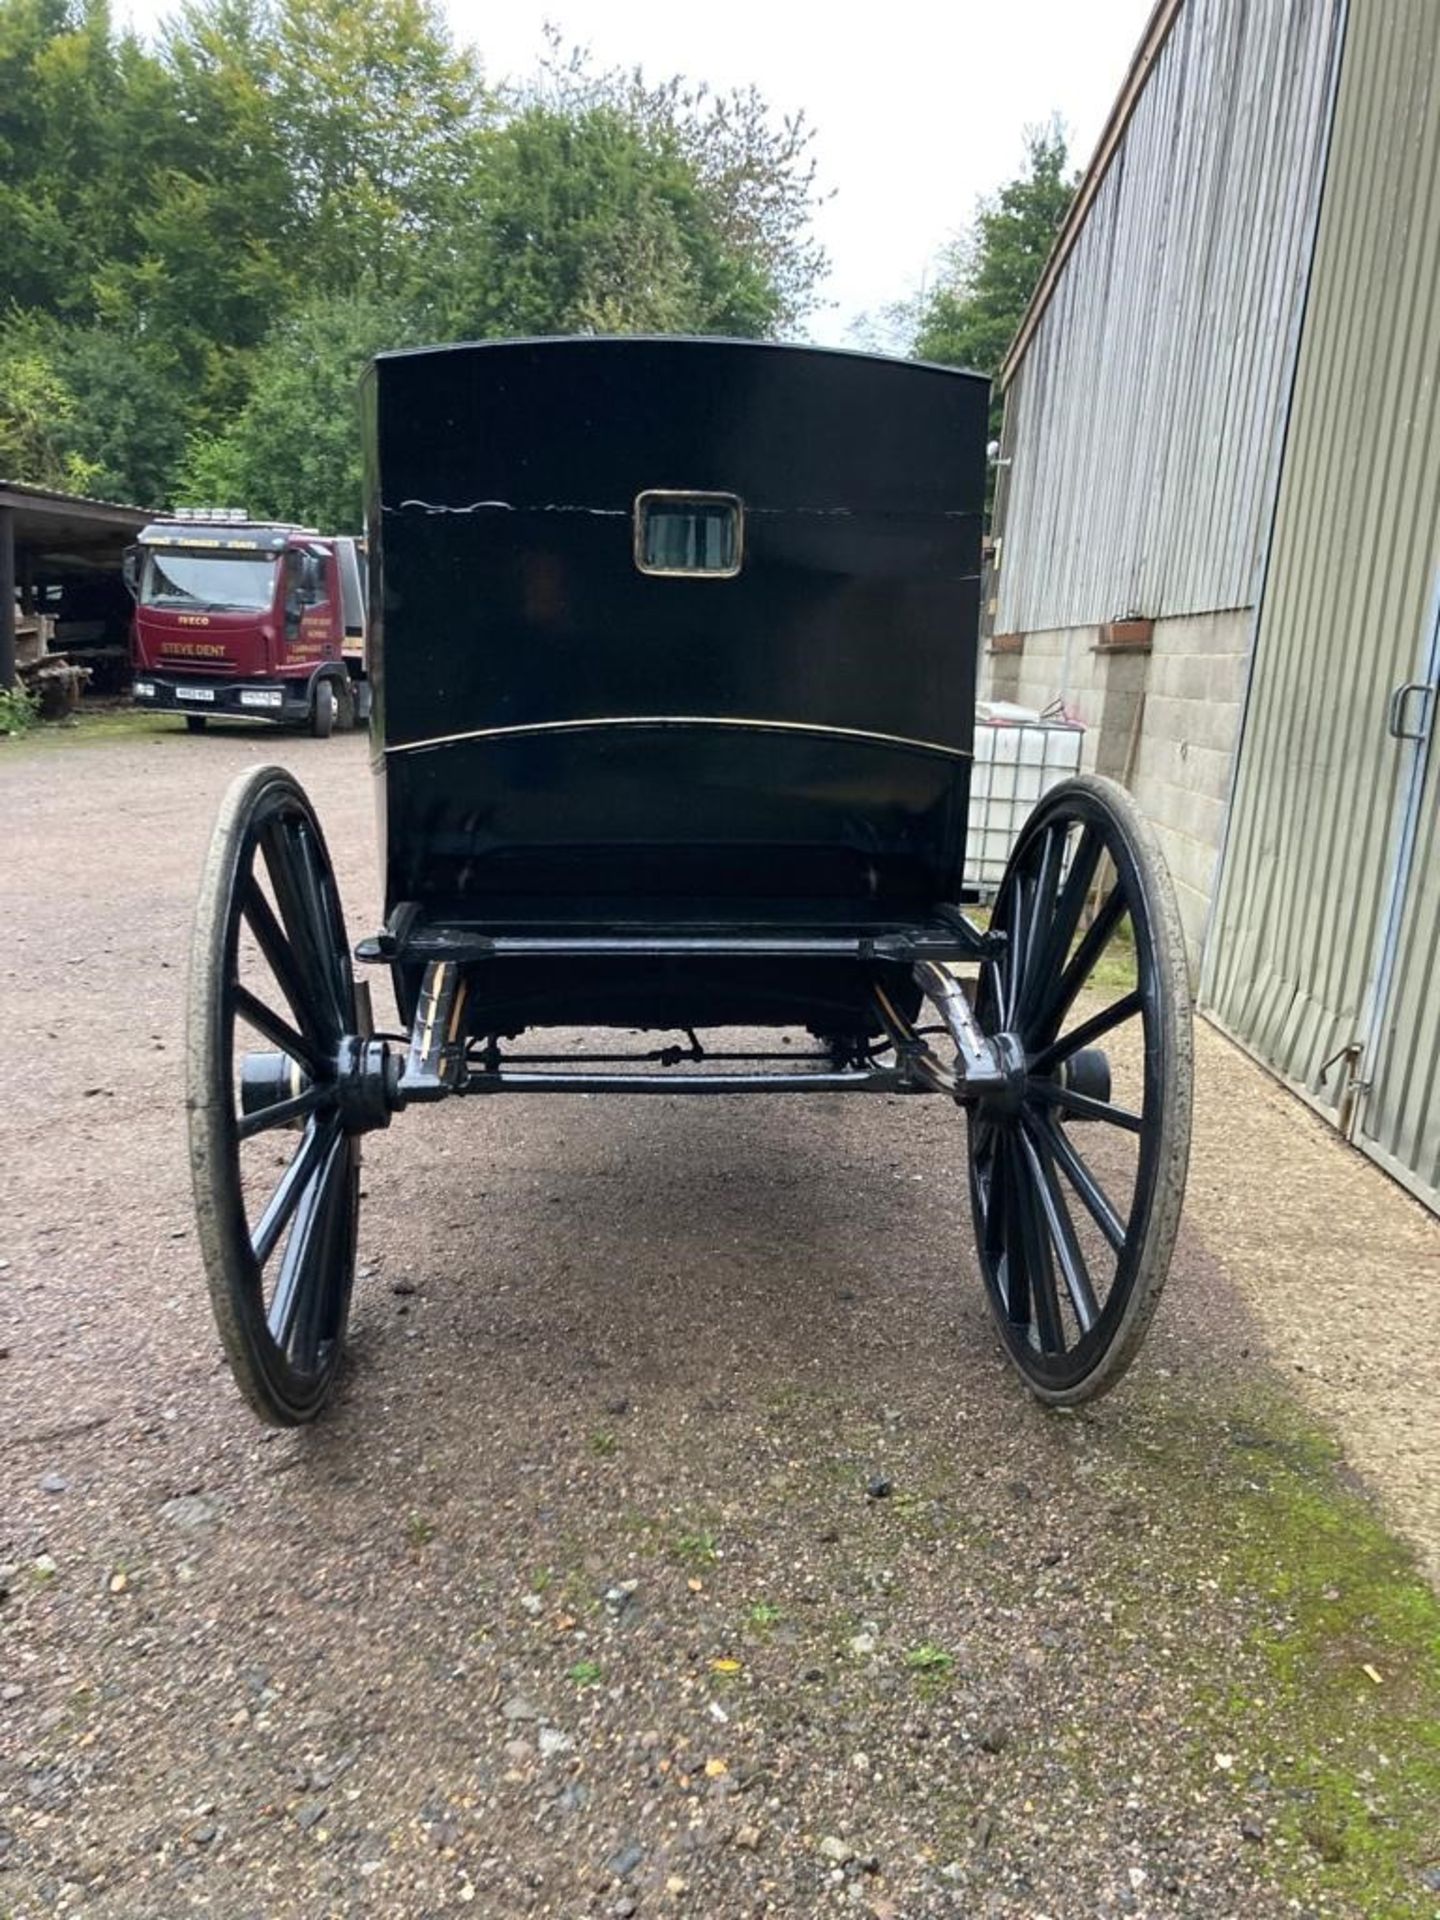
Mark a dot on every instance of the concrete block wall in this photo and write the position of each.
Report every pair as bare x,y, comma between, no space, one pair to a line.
1194,697
1165,721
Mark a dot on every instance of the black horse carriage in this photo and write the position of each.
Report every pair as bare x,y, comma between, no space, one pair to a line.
674,652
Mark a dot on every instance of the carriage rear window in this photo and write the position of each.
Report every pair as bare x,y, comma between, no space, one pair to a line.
696,533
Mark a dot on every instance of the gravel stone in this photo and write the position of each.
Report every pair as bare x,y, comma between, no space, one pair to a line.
191,1511
623,1862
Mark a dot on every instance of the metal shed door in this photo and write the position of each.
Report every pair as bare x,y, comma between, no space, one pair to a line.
1399,1118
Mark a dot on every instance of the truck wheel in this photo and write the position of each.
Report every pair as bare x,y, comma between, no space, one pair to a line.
345,707
194,723
322,710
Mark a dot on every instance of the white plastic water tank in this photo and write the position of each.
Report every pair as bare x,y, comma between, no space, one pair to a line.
1018,756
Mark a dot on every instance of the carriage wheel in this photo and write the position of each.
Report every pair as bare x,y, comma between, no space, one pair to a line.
1077,1169
281,1086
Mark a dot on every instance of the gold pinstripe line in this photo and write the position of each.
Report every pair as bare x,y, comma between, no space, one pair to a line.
814,728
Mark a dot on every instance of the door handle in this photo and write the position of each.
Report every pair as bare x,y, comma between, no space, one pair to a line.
1398,700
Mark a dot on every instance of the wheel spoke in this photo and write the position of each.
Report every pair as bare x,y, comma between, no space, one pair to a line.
281,1112
1093,1029
992,979
1091,1193
1035,1249
1016,947
296,1281
1064,922
317,1141
280,956
1082,1105
1062,1232
320,890
1053,1009
982,1150
1009,1232
315,1319
303,914
1042,912
279,1032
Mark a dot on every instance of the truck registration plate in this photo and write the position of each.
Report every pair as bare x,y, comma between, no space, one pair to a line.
195,693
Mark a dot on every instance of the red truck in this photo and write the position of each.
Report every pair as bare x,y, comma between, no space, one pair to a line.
240,619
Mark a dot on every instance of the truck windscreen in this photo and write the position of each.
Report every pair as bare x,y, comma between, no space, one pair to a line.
208,580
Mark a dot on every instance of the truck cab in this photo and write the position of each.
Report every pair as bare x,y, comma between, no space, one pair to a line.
248,620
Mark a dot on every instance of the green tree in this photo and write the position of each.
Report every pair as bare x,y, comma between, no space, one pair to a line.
293,451
214,262
66,192
755,173
205,240
36,410
381,117
128,423
969,317
586,222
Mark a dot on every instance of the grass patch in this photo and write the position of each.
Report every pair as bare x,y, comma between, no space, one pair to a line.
19,710
930,1659
419,1532
1333,1693
586,1673
696,1549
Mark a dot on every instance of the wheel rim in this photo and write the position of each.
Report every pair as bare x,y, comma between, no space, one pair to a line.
276,1177
1077,1174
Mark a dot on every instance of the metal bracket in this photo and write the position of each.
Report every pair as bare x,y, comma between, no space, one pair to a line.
435,1063
1351,1053
980,1068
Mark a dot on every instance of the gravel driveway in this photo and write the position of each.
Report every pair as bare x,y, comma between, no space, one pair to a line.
678,1543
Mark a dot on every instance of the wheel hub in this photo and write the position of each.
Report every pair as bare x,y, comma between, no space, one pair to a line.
1087,1072
1003,1099
366,1083
268,1078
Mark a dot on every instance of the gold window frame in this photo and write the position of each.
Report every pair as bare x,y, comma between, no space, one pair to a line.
694,497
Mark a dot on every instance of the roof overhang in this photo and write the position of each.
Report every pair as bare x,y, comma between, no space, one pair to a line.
59,523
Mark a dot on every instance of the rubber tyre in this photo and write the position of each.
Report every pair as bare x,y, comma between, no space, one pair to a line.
195,723
322,710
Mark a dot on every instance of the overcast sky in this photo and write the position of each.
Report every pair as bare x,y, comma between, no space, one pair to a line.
917,108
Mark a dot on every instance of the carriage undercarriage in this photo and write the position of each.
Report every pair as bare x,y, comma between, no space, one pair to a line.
1007,1022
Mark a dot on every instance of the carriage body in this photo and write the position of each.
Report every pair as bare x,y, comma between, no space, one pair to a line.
674,646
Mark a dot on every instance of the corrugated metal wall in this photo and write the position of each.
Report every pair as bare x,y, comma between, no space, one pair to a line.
1143,422
1320,901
